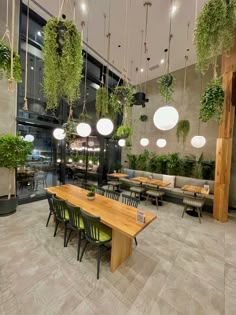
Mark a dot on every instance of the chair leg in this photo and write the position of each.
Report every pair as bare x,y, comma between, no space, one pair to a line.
136,242
56,226
157,202
49,216
185,207
65,232
68,238
82,254
79,242
98,261
199,216
147,198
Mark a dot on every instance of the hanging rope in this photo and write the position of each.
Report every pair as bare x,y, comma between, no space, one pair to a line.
60,9
104,48
25,108
170,38
6,35
185,78
108,45
196,10
147,4
125,39
11,80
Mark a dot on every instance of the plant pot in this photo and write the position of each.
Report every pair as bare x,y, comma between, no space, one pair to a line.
91,197
8,206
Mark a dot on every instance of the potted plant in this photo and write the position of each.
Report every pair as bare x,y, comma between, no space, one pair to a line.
91,193
63,62
214,31
212,101
123,132
13,153
5,63
166,87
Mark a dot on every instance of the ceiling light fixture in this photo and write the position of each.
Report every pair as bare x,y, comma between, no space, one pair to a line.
144,142
83,7
122,142
162,61
105,126
161,143
59,134
39,33
173,9
198,142
83,129
141,70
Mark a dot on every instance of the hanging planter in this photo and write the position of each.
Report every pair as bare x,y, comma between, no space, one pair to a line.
182,131
123,132
214,32
212,102
70,130
122,96
63,61
5,63
166,87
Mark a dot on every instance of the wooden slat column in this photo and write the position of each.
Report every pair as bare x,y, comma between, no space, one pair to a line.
225,141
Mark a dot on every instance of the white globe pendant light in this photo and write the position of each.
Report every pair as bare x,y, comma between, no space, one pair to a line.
83,129
59,134
166,117
29,138
105,126
91,143
161,143
198,141
121,142
144,142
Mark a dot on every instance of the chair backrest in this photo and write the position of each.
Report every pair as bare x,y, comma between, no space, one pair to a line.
50,200
100,191
112,194
74,215
60,208
91,226
130,201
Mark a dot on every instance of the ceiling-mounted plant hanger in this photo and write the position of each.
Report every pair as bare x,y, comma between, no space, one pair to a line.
166,117
9,60
183,125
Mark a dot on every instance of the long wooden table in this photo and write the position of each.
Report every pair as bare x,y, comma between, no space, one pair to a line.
151,181
118,216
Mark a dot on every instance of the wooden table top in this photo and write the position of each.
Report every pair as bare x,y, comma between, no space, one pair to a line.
151,181
118,175
113,213
196,189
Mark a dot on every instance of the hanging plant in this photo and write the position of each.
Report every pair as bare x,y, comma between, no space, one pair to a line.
182,131
104,104
70,130
5,63
124,132
166,87
212,102
85,117
143,118
122,96
63,62
214,32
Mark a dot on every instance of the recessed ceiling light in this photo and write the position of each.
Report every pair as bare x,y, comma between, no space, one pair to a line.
173,9
141,70
162,61
32,68
83,7
39,33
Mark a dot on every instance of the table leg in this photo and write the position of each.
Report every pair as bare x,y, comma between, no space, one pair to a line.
121,249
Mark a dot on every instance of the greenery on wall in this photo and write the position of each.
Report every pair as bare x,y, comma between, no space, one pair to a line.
212,101
172,164
182,131
63,62
5,63
214,32
166,87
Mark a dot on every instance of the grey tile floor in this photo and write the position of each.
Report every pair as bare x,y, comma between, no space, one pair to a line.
178,267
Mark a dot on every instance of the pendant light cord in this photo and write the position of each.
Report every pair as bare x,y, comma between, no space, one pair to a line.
170,38
108,46
10,86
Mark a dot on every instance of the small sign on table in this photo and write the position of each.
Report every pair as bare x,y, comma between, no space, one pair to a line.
140,218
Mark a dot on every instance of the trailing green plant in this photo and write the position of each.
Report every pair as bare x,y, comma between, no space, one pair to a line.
212,101
5,63
85,117
13,153
63,62
102,103
122,96
70,130
123,132
166,87
214,32
182,131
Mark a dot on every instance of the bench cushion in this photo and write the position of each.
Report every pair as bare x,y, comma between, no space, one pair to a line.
157,176
169,178
155,193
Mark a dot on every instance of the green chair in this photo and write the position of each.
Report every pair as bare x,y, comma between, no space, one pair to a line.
76,224
112,194
62,215
50,203
97,234
133,202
